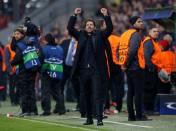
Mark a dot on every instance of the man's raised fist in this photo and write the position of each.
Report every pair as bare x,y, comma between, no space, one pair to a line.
104,11
78,11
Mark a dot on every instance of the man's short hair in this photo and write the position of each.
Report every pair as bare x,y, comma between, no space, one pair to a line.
150,27
87,20
133,19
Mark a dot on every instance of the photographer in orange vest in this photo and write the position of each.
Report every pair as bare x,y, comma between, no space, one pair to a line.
148,55
167,66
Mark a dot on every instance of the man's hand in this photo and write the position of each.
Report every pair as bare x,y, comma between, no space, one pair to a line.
77,11
11,73
123,67
104,11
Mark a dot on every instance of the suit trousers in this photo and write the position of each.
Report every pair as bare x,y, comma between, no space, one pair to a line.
93,92
135,80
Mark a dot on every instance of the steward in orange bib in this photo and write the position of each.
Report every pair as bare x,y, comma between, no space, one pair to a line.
117,76
168,61
110,91
114,41
167,58
166,68
13,91
2,74
2,59
128,58
8,57
148,55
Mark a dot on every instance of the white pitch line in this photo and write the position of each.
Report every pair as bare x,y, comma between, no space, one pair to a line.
56,124
120,123
127,124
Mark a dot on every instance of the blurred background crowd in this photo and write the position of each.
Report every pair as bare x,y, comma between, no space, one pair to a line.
11,12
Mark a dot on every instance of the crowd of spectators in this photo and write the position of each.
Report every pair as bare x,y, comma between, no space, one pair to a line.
122,10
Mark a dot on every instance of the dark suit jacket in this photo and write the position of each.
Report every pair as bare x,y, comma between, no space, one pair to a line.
99,39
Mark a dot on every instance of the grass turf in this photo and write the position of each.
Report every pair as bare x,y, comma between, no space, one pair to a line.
72,122
9,124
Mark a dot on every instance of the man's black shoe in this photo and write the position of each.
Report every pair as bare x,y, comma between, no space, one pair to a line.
83,116
105,117
152,113
24,114
59,113
99,123
131,119
156,113
14,104
62,113
34,113
143,118
45,114
89,122
55,111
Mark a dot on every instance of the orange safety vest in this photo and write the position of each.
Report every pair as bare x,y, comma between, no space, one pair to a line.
3,63
123,48
167,61
155,56
114,43
12,55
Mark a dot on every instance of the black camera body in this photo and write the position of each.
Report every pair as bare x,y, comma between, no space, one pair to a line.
173,78
32,29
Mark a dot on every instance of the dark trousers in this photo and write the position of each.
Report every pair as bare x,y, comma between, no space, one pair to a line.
93,92
13,90
135,80
108,93
117,81
26,84
150,90
52,87
3,83
163,88
73,85
64,81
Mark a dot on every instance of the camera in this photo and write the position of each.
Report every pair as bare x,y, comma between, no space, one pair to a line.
173,78
31,28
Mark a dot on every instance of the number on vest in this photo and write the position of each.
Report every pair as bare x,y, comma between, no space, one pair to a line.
34,62
52,74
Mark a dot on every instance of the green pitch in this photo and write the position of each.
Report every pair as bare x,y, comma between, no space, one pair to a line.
72,122
15,124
